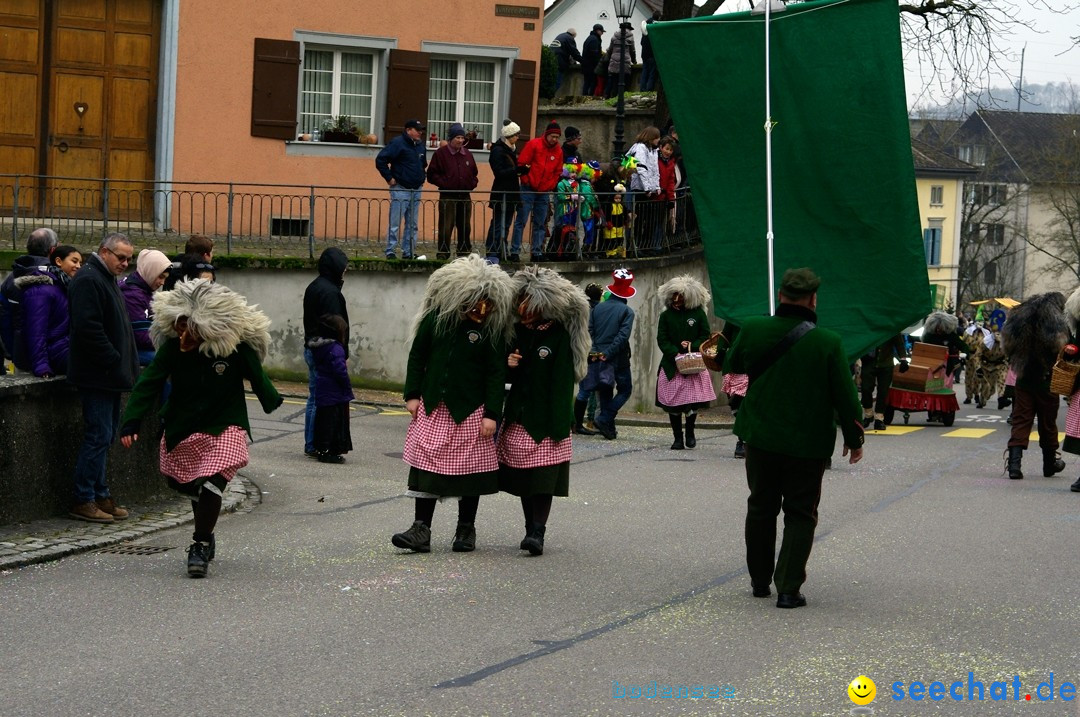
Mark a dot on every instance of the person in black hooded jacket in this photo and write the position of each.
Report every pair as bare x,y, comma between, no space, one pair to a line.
323,296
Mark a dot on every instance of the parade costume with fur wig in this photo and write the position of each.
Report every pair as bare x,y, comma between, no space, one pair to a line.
1032,337
942,329
456,370
535,447
209,341
683,319
1072,418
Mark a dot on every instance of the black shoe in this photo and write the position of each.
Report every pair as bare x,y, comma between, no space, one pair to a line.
691,439
740,449
534,541
760,590
442,255
311,454
213,547
514,258
528,531
1004,403
866,421
581,430
879,425
1075,487
198,559
790,600
331,458
967,400
606,431
1014,456
980,404
464,538
677,445
1052,465
391,257
406,257
417,538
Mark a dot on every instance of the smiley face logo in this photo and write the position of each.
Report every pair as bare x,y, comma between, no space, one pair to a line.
862,690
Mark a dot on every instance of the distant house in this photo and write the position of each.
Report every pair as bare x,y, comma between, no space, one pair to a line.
1023,202
583,14
939,179
179,91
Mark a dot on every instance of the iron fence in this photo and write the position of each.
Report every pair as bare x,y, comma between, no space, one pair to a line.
300,220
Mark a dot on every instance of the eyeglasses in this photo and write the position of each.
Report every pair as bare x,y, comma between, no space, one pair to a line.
122,258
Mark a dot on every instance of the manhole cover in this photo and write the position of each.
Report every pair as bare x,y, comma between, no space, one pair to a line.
136,549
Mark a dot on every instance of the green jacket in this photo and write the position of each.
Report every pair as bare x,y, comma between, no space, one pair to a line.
542,386
207,393
794,406
673,327
460,367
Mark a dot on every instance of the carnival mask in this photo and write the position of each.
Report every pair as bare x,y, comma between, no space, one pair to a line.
479,311
189,338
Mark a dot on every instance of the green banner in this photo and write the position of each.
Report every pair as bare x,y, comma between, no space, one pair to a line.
844,199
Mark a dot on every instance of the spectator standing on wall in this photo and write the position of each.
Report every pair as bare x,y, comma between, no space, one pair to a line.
453,171
622,55
46,321
103,364
648,61
38,245
402,163
542,162
322,297
591,50
505,189
565,48
151,270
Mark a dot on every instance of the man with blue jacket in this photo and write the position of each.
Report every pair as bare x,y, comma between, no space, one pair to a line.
610,324
402,164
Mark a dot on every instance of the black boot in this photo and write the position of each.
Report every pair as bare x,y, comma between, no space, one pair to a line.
691,440
1004,403
464,538
534,541
529,527
1016,454
1075,487
740,448
579,419
1052,465
676,429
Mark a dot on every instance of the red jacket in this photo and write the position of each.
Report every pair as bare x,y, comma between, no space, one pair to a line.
545,165
452,172
667,178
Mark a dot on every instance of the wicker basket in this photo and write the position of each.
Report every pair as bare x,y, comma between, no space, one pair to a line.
710,351
690,363
1063,375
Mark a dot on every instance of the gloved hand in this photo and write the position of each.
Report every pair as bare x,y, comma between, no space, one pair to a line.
904,366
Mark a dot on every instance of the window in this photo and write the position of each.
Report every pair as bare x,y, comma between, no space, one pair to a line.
937,195
971,231
989,195
990,273
337,82
932,242
462,91
972,154
995,234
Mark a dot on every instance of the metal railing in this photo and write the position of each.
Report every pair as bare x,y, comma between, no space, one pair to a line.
300,220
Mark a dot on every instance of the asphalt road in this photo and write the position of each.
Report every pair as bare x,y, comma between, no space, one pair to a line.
929,565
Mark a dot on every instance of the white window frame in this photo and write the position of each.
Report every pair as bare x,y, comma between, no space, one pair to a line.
937,195
502,57
379,47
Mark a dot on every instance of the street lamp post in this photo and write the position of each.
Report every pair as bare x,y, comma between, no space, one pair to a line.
624,10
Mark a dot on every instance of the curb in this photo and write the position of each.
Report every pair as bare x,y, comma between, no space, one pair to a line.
74,537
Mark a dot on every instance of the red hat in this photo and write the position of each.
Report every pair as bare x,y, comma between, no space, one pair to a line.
553,128
620,287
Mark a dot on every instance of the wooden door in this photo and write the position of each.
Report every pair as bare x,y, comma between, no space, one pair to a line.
102,107
21,60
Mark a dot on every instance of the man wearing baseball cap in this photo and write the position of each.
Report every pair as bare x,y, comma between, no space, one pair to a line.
800,389
402,163
591,50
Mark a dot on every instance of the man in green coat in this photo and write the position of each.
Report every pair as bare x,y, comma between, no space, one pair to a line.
788,421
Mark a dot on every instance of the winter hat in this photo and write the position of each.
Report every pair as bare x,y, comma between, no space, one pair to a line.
572,133
456,130
620,287
151,264
553,128
510,129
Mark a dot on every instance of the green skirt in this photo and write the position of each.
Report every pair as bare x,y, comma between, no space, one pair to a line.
468,484
546,480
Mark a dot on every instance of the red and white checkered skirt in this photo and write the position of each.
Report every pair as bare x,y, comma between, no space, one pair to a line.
517,449
735,384
436,444
1072,417
201,455
684,391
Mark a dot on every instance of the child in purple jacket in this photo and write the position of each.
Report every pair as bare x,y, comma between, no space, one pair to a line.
333,390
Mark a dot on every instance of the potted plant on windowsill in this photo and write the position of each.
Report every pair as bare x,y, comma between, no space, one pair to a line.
340,129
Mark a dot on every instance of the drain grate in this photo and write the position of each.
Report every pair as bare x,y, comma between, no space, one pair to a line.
129,549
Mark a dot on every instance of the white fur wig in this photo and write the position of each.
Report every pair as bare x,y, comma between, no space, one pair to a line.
693,291
940,322
456,287
554,297
1072,312
220,317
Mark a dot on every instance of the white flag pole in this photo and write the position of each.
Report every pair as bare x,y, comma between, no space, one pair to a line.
768,163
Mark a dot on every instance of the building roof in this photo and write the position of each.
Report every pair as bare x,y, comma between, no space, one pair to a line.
1035,145
929,160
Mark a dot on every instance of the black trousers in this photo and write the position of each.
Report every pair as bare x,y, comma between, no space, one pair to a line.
781,482
881,378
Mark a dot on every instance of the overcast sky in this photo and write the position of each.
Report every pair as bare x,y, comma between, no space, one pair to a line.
1043,60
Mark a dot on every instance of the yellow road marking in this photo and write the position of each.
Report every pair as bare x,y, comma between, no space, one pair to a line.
391,412
1035,437
897,430
968,433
